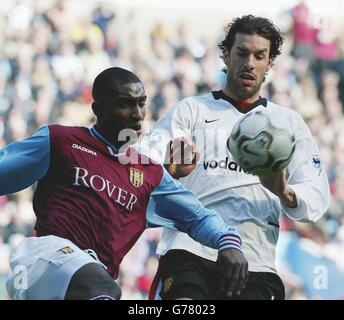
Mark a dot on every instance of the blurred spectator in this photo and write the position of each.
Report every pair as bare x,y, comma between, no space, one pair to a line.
102,15
303,32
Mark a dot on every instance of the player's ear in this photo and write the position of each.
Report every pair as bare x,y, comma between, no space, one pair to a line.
96,108
226,56
269,65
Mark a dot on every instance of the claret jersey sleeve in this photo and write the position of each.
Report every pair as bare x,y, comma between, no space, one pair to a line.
171,205
24,162
306,175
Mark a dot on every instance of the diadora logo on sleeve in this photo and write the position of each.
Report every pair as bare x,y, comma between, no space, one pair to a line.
76,146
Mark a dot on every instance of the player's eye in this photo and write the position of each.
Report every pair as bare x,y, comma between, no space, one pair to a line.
126,102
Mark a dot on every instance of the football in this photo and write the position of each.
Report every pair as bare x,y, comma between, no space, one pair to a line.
261,143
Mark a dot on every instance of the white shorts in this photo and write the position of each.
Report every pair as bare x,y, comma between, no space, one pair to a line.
43,267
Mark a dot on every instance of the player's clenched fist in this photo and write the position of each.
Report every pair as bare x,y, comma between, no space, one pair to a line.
181,157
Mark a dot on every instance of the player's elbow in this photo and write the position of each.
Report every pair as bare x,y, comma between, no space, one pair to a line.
316,213
323,204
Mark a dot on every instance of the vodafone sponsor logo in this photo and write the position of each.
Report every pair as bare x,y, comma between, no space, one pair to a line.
223,164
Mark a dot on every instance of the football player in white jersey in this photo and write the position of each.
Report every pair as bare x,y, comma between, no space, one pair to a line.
187,270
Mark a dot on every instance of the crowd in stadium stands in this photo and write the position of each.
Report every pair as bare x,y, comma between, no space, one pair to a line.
49,58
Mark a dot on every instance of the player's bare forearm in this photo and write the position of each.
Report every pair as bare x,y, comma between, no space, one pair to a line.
288,197
277,184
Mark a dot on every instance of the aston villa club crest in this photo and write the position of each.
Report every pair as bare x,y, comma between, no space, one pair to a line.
136,177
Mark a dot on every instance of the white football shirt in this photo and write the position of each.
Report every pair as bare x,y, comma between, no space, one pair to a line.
220,183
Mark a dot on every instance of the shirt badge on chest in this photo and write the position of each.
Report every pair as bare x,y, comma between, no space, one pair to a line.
136,177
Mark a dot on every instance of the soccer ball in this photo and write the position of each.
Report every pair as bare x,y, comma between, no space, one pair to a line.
261,143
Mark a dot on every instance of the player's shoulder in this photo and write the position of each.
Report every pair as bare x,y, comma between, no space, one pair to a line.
63,130
290,117
61,134
196,101
283,111
196,104
200,98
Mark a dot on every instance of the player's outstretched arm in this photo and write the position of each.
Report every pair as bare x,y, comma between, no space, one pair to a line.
24,162
278,185
172,205
304,189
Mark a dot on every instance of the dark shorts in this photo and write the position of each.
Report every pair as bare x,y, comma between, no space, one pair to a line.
185,275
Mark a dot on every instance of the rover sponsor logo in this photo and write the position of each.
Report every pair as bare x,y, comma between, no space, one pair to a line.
98,183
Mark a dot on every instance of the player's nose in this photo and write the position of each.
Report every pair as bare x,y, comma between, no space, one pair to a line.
249,62
138,113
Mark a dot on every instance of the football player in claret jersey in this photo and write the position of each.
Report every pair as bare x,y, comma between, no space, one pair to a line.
253,204
94,198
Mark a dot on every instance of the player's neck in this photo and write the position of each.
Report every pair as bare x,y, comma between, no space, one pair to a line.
107,135
242,101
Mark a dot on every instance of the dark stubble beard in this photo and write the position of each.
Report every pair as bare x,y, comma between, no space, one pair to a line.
238,89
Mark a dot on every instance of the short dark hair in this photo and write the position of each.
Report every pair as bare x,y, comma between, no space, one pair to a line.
106,82
251,25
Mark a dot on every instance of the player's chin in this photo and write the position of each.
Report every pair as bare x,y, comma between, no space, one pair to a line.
128,137
248,91
134,137
253,88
